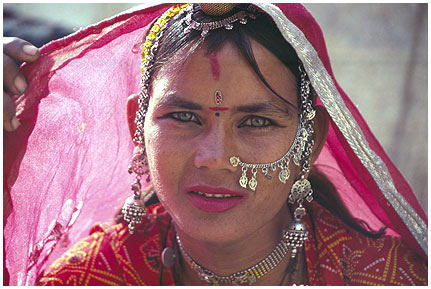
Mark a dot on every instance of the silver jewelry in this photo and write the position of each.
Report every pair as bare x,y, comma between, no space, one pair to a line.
299,150
227,22
151,45
244,277
301,188
132,210
297,232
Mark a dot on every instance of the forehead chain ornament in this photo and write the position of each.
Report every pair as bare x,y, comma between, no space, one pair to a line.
149,50
217,10
299,150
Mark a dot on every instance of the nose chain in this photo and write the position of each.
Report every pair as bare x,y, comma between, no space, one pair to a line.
299,151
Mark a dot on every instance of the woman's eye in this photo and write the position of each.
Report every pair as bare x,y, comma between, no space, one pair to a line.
256,121
185,116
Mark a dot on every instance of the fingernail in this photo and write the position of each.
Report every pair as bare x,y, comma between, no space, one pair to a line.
15,123
20,84
29,49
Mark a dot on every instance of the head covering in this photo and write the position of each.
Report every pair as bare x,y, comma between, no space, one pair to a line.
66,166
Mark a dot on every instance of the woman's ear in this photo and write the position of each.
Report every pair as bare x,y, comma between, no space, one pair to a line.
321,122
132,107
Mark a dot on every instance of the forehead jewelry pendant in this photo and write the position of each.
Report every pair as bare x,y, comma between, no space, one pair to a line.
218,97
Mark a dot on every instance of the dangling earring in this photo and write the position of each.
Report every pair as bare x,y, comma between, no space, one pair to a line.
132,209
297,233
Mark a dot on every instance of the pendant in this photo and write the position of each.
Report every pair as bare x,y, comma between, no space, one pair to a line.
266,174
133,213
284,175
244,279
252,183
243,181
168,257
209,278
300,189
296,236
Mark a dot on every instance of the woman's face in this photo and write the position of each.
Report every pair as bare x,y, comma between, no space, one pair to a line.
190,138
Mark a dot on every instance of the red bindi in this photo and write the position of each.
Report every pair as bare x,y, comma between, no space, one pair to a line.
215,67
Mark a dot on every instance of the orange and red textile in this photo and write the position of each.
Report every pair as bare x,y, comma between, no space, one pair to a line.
335,255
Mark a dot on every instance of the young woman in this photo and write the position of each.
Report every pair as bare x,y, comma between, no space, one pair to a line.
251,165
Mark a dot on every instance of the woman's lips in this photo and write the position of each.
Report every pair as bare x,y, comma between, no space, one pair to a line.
215,200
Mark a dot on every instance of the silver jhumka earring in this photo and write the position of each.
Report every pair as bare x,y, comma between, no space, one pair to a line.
133,209
297,232
300,151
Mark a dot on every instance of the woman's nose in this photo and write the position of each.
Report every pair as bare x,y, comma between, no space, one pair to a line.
214,149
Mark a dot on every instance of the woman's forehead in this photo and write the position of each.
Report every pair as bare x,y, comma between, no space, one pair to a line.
227,70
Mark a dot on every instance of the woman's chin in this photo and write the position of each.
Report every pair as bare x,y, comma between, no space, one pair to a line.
211,227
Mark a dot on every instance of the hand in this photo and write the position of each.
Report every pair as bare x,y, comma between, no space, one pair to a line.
14,82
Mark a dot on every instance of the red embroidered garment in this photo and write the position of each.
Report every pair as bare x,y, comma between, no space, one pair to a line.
335,255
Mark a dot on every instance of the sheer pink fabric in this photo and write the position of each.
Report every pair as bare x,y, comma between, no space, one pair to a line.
67,164
342,166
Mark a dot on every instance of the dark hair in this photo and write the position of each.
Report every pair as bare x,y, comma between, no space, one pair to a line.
263,30
174,39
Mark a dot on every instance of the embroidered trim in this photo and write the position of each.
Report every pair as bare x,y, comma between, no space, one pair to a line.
334,104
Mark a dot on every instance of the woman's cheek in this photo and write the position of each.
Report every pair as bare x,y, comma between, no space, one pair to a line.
157,158
165,159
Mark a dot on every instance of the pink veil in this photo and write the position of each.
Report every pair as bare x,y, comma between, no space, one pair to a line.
66,166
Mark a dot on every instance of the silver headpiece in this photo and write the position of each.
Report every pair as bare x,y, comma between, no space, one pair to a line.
216,10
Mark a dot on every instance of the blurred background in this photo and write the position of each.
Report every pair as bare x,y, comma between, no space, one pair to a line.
379,55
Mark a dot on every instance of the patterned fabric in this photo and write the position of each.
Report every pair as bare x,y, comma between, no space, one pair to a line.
112,256
335,255
338,255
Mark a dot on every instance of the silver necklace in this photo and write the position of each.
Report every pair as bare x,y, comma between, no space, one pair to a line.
245,277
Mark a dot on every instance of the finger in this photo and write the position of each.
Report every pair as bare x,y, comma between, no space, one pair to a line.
20,50
10,122
13,80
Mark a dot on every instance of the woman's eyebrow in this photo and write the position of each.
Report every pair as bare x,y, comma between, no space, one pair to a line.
173,100
262,107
